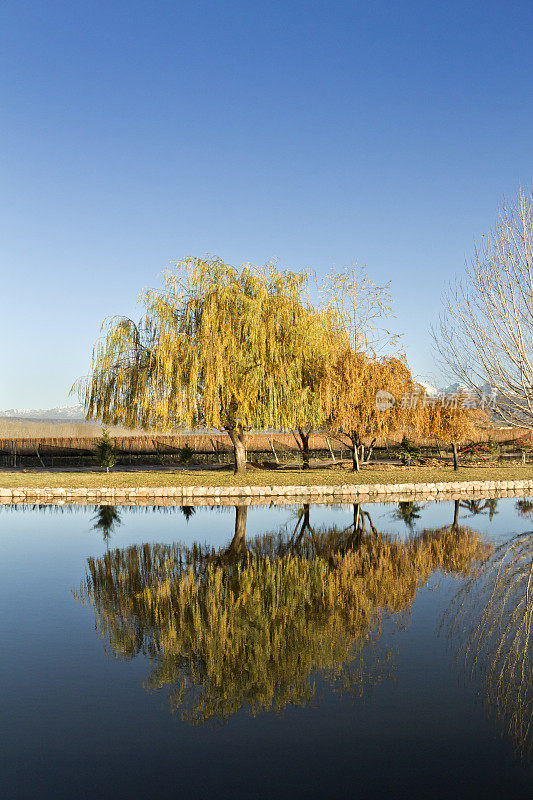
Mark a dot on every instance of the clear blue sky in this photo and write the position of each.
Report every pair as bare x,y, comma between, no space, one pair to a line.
319,133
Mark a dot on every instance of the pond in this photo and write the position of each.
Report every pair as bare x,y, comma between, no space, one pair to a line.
267,652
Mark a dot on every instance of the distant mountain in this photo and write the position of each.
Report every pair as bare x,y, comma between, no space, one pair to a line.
429,388
453,388
61,413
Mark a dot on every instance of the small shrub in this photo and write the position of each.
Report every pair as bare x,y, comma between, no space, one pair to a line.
185,455
408,451
105,451
494,448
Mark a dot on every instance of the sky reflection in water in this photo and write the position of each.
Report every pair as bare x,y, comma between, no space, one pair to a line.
324,651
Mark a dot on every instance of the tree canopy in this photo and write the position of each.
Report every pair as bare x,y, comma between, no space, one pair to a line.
242,349
217,347
449,419
485,335
349,393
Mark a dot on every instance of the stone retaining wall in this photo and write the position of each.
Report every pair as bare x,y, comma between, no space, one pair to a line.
282,495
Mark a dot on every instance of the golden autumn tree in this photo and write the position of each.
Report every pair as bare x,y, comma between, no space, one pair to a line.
449,418
360,308
352,309
310,411
217,347
358,369
351,400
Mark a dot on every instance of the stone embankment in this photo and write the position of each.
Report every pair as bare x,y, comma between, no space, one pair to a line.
261,495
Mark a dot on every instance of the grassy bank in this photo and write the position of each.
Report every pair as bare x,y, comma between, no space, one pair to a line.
254,477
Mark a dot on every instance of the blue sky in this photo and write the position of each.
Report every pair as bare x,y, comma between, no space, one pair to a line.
317,133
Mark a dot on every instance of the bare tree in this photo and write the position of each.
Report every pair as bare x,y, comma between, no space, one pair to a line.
485,334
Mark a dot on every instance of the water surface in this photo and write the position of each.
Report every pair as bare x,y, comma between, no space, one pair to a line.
323,651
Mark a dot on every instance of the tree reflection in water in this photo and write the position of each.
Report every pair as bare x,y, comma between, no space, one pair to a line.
408,511
106,519
491,618
252,625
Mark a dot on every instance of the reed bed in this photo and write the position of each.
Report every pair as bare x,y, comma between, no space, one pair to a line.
69,439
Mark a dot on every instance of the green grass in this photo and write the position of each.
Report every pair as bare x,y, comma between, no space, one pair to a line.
258,477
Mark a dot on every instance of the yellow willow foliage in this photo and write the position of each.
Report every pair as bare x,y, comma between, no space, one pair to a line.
348,394
217,346
256,632
448,421
492,618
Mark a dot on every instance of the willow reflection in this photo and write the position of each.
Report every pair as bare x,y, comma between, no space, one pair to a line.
490,619
252,625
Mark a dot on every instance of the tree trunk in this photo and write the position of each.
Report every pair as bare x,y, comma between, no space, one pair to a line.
305,448
239,450
302,526
355,453
358,525
303,445
370,450
455,459
455,523
237,546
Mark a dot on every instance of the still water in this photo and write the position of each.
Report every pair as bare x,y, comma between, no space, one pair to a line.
322,651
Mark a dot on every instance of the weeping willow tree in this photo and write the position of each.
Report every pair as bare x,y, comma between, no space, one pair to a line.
354,308
217,347
361,366
352,383
309,411
491,620
254,631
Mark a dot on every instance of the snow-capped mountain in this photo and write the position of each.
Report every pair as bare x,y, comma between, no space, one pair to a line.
67,413
453,388
430,390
